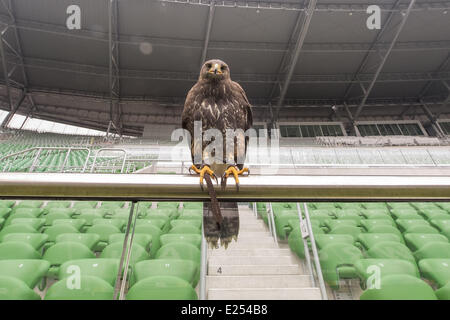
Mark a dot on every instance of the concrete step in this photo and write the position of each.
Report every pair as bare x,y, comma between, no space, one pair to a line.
252,260
261,240
249,252
275,269
265,294
251,245
258,281
254,234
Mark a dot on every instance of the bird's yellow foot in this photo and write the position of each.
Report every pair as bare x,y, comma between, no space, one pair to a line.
204,170
233,170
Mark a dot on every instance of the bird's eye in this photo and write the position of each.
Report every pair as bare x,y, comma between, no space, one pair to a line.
224,68
208,65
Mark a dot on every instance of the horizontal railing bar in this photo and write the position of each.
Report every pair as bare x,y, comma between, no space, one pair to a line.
167,187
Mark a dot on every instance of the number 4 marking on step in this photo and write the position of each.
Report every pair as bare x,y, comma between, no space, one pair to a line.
219,270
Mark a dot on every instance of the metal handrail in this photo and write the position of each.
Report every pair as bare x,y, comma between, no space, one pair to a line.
110,149
33,166
323,290
153,187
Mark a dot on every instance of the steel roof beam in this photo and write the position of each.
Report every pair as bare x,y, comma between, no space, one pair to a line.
17,52
229,45
294,58
113,70
296,6
212,9
384,59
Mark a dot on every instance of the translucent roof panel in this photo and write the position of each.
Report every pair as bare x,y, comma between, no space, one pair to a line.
49,126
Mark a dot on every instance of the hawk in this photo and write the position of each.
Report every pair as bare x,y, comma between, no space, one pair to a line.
221,104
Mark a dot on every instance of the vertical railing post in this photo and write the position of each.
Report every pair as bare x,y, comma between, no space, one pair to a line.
315,255
305,235
271,219
203,266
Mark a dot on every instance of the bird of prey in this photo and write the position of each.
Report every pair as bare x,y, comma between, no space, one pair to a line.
219,103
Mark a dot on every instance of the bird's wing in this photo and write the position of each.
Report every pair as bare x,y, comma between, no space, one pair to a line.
245,104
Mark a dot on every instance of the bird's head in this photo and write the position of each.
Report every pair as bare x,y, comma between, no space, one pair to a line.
215,70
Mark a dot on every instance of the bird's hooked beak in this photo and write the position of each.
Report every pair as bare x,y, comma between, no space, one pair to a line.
216,69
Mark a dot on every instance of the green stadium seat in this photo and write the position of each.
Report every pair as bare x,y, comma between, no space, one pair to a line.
49,218
61,252
374,205
89,215
434,214
366,224
194,205
295,242
390,250
194,239
1,223
155,232
145,240
15,289
281,220
436,270
56,230
368,240
175,205
162,288
75,223
36,223
13,250
90,288
349,205
7,203
84,205
36,240
345,229
16,228
178,250
185,230
194,223
28,270
160,223
322,240
324,205
333,223
400,287
404,224
376,214
430,250
385,229
367,268
184,269
104,231
446,232
89,240
118,214
57,204
406,214
421,229
399,205
4,212
415,241
440,224
352,215
105,269
191,215
29,204
114,251
320,215
337,262
444,292
27,213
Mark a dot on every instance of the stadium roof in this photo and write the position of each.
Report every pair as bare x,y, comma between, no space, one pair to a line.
146,55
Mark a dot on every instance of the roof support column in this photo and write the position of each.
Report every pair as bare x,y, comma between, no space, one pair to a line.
368,90
306,21
212,9
115,112
432,118
18,55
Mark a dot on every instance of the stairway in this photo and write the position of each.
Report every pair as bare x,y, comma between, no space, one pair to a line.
255,268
